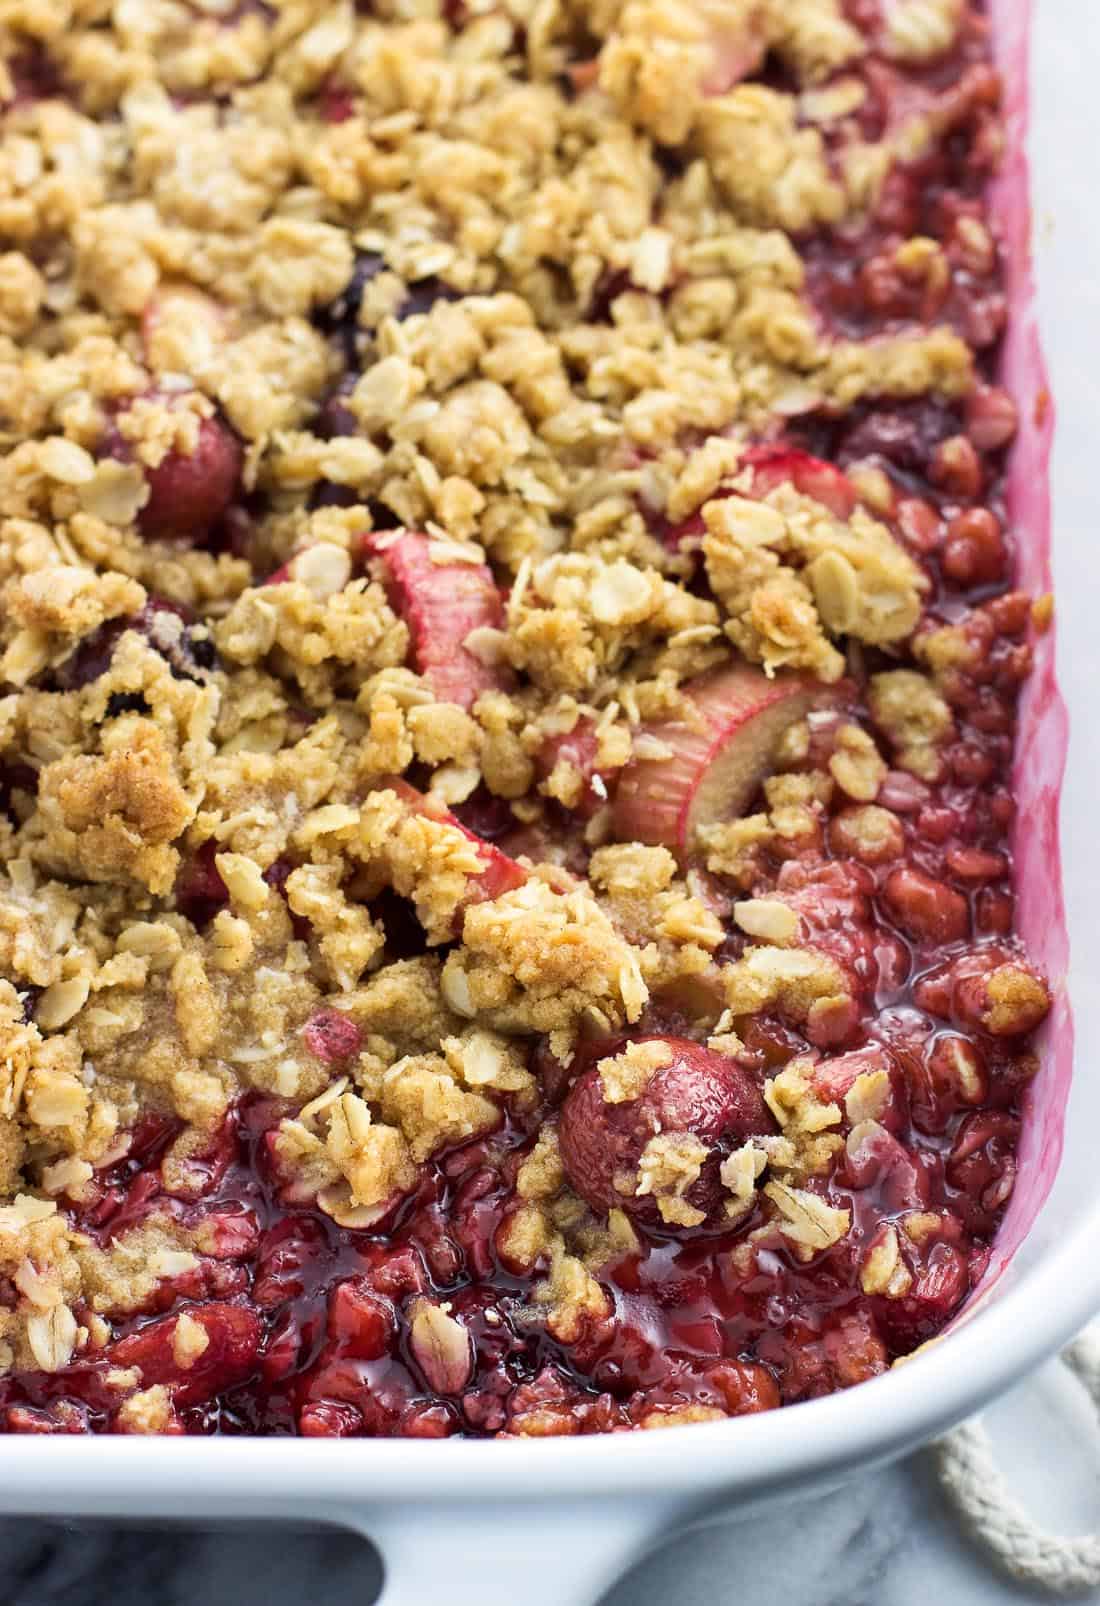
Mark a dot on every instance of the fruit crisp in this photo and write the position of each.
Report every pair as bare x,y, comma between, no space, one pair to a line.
509,681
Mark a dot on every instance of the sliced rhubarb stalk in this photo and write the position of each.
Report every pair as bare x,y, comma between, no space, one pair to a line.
770,467
578,748
442,603
785,465
716,764
501,874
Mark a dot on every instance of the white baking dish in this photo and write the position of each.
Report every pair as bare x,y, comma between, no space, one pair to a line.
554,1521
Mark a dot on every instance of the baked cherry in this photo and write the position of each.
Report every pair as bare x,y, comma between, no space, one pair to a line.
926,909
696,1093
190,492
988,989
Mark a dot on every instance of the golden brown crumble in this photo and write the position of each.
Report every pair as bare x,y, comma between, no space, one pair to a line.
624,1076
914,716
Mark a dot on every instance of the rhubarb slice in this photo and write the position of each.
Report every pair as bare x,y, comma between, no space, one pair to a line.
501,873
715,762
771,466
442,603
786,465
735,48
578,785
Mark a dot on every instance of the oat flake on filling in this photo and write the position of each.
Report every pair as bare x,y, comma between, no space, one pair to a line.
509,679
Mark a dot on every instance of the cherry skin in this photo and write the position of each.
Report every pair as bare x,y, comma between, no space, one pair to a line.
189,495
699,1092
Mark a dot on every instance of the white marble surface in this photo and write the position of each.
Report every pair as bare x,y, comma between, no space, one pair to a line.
885,1541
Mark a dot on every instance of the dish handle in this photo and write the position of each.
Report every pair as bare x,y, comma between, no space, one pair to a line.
495,1552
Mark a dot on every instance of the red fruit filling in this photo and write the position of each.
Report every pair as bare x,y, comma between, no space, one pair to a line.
766,467
778,465
189,494
332,1037
568,765
222,1351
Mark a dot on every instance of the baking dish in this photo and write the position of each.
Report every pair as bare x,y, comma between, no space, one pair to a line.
554,1521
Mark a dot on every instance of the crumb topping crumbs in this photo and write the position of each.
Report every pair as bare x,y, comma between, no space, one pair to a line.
670,1163
625,1076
